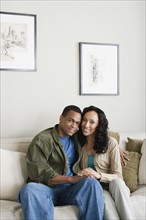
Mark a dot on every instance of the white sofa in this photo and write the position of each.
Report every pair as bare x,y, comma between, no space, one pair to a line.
14,176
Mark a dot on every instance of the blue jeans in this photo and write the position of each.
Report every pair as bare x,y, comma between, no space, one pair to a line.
38,200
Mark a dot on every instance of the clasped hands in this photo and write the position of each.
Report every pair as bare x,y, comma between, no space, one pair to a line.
89,172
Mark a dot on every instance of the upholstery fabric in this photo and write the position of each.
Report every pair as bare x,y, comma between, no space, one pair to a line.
138,199
13,173
130,171
142,165
134,145
115,135
11,210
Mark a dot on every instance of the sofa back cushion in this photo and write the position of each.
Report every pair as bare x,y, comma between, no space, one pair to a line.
16,144
115,135
142,165
134,145
13,173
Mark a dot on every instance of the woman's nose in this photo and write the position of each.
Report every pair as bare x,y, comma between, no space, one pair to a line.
87,124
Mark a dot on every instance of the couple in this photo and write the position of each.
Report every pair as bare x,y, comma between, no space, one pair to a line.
71,164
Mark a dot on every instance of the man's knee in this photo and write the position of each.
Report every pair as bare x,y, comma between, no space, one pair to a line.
92,184
28,189
90,181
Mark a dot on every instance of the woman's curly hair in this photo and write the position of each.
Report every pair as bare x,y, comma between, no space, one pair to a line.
101,133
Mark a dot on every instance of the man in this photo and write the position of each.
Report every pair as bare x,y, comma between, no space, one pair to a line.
52,161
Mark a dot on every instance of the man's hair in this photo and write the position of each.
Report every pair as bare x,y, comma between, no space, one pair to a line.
71,108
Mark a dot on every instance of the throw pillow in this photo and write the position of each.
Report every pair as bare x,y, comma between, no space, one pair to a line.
130,171
142,165
13,173
134,145
115,135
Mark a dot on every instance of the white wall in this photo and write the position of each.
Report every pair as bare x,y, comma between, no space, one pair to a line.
32,101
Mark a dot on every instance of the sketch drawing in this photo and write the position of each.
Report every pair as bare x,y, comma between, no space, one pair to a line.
13,38
96,70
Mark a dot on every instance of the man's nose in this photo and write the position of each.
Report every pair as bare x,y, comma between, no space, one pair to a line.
74,124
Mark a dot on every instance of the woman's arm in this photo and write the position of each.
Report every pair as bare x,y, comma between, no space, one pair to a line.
113,168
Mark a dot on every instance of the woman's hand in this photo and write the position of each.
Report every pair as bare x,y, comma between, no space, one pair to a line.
89,172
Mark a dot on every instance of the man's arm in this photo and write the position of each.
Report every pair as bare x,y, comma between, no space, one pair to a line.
123,156
65,179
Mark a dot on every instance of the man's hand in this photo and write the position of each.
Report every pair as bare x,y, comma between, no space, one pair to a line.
65,179
124,157
75,179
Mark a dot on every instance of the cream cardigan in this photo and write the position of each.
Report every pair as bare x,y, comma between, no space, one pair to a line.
107,164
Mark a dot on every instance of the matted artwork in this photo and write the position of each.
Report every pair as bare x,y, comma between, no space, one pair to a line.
18,42
99,69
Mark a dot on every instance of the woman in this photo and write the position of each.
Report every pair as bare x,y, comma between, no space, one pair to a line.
100,159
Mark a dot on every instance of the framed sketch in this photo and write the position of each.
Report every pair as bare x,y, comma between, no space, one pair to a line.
18,42
99,69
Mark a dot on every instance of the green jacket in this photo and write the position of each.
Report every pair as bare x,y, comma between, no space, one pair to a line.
46,158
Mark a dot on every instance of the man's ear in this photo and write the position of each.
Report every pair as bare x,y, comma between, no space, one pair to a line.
61,117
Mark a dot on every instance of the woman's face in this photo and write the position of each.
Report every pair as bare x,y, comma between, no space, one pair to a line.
89,123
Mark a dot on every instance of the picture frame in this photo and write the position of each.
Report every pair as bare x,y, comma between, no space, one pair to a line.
18,42
99,68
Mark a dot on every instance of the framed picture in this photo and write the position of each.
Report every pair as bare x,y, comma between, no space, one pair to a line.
99,69
18,42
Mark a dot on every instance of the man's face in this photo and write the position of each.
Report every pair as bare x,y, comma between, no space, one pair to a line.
69,124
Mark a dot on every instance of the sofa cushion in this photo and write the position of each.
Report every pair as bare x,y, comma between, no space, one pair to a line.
10,210
138,200
13,173
130,171
142,165
134,145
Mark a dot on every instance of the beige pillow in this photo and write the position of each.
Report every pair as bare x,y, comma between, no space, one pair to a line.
134,145
13,173
130,171
114,135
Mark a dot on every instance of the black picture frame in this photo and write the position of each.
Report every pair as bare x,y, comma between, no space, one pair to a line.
98,68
